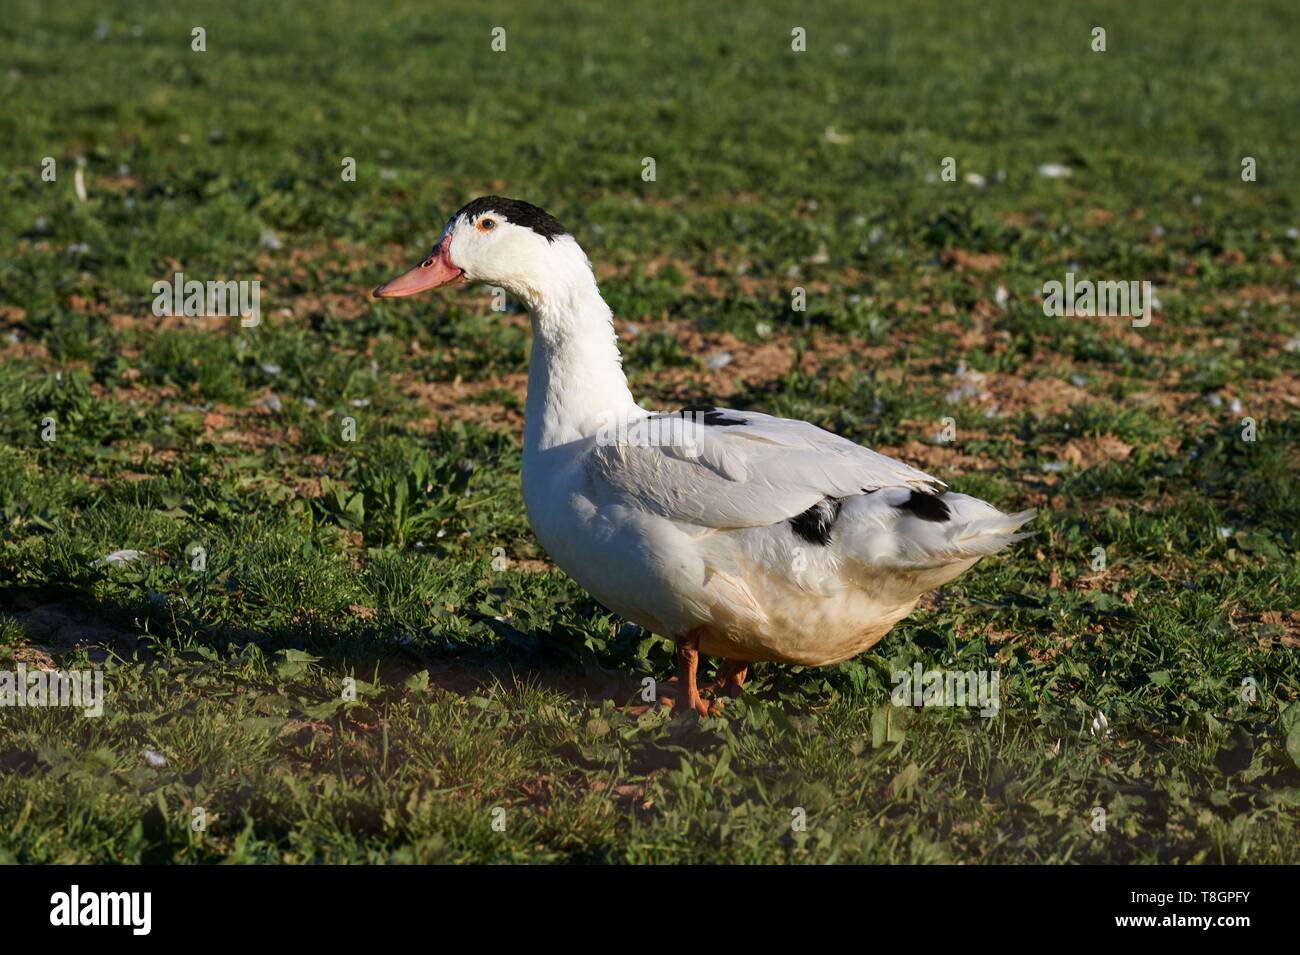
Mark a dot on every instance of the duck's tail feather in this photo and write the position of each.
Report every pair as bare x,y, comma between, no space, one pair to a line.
988,535
892,530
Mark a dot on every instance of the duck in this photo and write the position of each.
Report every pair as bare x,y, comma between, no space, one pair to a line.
733,533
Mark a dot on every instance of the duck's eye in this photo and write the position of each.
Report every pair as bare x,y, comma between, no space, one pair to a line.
486,225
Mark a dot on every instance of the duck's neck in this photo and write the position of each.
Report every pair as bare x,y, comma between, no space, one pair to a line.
576,384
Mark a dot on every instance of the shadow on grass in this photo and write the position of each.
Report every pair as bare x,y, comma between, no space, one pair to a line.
62,621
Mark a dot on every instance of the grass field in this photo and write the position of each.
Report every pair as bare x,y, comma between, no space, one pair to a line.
492,719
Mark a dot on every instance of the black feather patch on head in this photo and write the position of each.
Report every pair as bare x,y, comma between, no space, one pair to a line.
814,525
516,212
928,507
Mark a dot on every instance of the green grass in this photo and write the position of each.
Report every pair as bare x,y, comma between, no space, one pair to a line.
484,686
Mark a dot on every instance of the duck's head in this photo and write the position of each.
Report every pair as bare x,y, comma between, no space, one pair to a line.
497,241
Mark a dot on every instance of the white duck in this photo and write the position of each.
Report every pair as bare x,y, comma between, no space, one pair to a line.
735,533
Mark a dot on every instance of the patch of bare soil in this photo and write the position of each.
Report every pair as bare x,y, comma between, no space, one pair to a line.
723,366
120,321
941,459
56,627
464,401
531,566
339,256
253,428
345,305
1273,395
23,349
133,393
34,658
1274,627
960,260
1014,394
1091,451
1265,294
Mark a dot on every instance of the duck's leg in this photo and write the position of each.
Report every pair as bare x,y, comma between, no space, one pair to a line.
688,663
731,677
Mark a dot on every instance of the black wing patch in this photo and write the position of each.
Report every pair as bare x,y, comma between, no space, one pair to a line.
928,507
516,211
814,525
711,416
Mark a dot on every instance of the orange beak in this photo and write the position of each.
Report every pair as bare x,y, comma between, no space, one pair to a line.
434,271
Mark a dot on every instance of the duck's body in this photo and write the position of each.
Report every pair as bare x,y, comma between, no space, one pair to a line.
737,534
734,590
814,588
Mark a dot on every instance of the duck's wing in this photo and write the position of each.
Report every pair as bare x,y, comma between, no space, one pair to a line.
729,469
